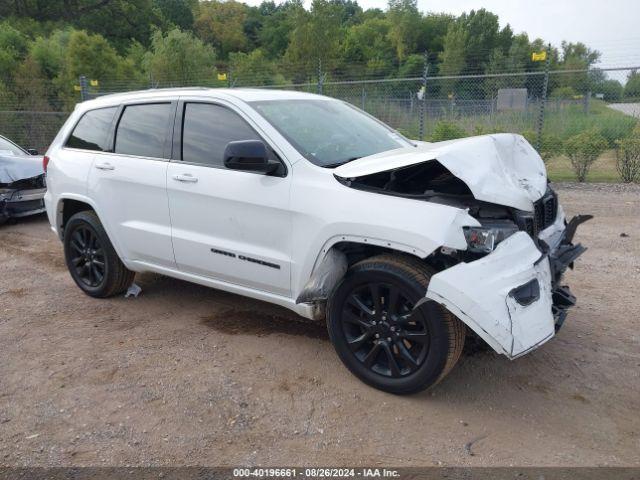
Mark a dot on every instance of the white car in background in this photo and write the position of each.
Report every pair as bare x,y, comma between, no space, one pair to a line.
22,183
307,202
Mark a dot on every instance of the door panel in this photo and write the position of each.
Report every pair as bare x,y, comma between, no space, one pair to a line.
131,195
230,225
130,185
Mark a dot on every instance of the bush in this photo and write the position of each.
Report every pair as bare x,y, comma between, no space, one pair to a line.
628,159
447,131
550,144
583,149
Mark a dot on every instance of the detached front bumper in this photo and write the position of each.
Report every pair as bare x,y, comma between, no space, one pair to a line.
512,298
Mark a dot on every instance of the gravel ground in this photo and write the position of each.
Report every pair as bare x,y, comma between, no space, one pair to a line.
185,375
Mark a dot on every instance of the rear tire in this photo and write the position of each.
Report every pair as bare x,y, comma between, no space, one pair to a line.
91,259
379,335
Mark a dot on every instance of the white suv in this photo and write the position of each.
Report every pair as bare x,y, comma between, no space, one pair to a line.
307,202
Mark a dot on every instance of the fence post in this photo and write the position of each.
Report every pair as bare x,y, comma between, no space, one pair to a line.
319,76
84,88
543,99
364,96
423,104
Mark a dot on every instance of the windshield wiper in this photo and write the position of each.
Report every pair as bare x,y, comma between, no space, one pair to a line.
337,164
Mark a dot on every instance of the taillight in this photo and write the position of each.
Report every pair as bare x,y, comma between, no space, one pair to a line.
45,163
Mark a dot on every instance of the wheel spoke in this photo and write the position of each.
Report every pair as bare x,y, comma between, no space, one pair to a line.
355,301
405,354
391,360
97,273
418,337
350,317
370,359
358,342
77,237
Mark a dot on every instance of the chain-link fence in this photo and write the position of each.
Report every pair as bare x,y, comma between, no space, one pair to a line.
569,116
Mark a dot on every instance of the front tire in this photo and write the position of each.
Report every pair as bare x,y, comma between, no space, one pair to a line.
91,259
381,338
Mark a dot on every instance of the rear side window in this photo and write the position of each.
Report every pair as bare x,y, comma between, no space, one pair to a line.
92,131
206,131
142,130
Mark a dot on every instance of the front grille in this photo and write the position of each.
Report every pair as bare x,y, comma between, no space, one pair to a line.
543,215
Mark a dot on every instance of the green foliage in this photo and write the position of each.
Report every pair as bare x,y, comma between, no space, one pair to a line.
404,19
221,24
368,41
612,90
447,131
175,13
13,49
179,58
254,69
563,93
551,145
628,159
583,149
632,87
317,34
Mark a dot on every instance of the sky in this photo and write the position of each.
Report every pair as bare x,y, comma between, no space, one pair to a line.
609,26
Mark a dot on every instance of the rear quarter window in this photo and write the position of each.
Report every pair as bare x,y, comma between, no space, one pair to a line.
92,131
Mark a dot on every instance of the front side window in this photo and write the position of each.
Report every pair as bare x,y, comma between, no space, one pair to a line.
142,130
329,132
92,131
206,131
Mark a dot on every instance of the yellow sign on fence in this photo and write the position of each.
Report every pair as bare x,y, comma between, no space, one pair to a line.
77,88
93,83
222,76
539,57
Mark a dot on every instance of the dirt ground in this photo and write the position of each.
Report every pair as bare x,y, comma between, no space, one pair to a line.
185,375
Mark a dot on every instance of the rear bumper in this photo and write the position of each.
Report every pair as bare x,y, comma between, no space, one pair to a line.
21,203
512,297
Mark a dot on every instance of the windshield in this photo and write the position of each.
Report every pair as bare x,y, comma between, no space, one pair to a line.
9,148
328,132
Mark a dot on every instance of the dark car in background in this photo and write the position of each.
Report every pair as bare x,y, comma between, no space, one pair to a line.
22,181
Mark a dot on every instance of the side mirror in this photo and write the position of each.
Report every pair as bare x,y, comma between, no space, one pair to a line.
32,151
248,155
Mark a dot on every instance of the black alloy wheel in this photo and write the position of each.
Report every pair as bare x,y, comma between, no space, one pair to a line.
88,258
386,332
381,330
91,259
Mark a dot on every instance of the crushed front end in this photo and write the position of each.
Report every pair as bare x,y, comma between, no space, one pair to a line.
507,286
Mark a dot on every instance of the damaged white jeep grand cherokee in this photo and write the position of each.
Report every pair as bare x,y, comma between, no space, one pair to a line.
309,203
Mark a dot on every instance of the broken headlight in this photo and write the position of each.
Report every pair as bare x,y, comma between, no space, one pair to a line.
484,239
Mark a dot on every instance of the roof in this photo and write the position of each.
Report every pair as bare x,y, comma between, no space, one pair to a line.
244,94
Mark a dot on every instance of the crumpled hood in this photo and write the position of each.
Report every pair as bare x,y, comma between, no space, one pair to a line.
502,168
15,168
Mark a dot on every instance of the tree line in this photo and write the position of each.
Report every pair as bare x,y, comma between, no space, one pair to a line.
45,46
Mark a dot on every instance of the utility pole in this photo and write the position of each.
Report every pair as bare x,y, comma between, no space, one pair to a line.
423,104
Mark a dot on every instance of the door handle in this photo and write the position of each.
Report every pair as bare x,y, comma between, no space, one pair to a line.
104,166
187,178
